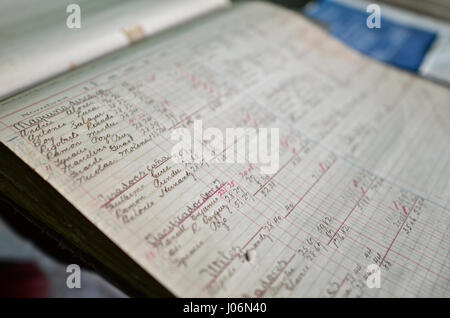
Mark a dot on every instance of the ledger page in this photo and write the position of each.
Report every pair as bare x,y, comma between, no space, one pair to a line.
36,42
363,179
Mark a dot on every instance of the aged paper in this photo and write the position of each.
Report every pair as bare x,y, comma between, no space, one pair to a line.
35,42
364,174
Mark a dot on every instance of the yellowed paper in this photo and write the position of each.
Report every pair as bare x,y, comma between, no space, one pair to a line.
364,161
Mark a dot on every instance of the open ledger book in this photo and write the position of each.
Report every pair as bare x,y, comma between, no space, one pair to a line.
364,174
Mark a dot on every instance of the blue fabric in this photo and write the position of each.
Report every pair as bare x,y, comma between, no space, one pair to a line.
393,43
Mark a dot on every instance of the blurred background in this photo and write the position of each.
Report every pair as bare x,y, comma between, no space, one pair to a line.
414,36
